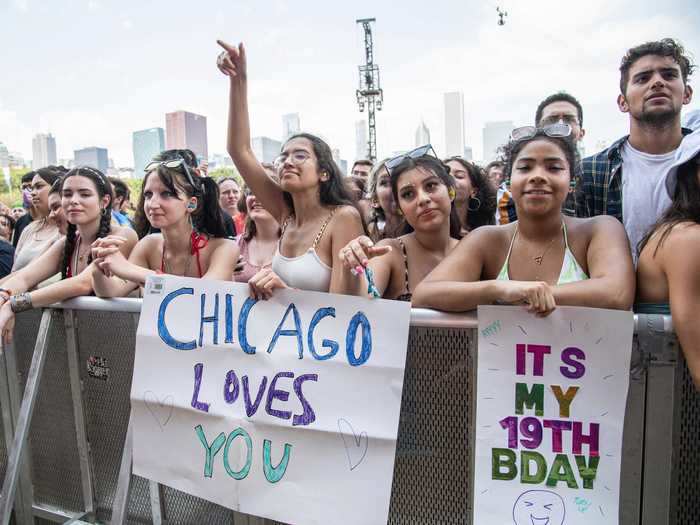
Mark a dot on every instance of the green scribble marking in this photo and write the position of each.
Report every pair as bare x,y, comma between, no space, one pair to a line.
491,329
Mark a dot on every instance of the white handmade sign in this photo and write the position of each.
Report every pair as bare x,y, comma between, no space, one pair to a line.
286,408
551,396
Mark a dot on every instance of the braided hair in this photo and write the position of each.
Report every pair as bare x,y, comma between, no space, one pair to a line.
103,187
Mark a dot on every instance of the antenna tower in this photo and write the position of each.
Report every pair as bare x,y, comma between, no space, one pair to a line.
370,93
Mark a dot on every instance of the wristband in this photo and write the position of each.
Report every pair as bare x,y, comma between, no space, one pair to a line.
21,302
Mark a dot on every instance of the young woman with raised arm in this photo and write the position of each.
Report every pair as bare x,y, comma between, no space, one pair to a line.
310,202
544,259
668,271
192,240
424,192
86,197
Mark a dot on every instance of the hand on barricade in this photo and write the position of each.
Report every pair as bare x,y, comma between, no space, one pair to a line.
356,254
232,61
7,323
537,295
263,283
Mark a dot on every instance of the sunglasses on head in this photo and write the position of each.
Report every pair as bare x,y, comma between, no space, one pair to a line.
413,154
171,164
557,130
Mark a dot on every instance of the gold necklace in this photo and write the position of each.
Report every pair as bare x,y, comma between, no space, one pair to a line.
538,259
168,268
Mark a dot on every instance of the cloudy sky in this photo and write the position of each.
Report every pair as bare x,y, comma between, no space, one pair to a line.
93,71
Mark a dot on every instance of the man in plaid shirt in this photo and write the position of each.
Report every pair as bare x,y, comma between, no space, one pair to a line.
653,86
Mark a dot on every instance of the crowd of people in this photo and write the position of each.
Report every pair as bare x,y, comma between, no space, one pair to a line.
539,227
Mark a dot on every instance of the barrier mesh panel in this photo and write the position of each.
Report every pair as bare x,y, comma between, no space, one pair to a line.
688,457
433,463
106,342
52,438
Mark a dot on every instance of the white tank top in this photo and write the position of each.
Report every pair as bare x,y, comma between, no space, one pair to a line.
308,271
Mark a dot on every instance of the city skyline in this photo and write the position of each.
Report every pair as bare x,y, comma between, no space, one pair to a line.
454,123
102,94
43,150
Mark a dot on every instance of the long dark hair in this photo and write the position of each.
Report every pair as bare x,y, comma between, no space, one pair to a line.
206,218
483,214
441,171
333,191
103,187
685,205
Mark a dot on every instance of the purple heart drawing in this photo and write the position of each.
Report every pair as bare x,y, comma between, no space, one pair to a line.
355,446
160,409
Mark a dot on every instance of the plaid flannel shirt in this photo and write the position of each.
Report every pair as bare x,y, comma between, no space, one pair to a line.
601,191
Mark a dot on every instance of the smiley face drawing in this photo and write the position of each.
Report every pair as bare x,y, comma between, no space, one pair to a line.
539,507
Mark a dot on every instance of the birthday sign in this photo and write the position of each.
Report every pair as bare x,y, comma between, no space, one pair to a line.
286,408
551,396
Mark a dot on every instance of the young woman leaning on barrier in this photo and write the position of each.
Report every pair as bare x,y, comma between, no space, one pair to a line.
41,233
668,273
192,242
86,197
424,191
544,259
310,202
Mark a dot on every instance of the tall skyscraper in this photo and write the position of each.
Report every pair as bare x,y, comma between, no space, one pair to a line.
496,134
93,156
361,144
4,156
266,149
422,135
468,153
146,143
185,130
290,125
454,123
342,164
43,150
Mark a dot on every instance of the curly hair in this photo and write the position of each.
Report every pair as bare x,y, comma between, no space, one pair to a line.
666,47
103,187
483,214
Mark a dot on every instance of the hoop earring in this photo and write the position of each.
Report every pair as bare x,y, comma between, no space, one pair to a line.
469,203
105,211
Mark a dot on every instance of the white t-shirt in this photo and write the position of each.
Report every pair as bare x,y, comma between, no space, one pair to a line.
644,196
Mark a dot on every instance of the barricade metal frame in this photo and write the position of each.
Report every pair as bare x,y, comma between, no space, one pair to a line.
654,488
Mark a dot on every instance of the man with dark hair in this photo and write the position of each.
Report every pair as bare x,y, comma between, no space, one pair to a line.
120,202
561,107
626,180
362,168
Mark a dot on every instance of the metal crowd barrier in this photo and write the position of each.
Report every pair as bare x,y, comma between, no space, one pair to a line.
64,394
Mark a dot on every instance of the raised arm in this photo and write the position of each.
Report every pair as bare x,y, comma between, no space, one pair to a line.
681,263
612,282
232,62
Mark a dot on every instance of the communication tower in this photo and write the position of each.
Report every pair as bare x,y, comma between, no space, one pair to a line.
370,93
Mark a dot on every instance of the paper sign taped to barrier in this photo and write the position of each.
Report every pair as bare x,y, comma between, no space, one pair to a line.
551,397
286,409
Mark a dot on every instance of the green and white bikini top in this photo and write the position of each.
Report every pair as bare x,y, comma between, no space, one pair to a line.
571,270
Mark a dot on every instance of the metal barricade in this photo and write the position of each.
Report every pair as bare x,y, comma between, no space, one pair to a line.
75,416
